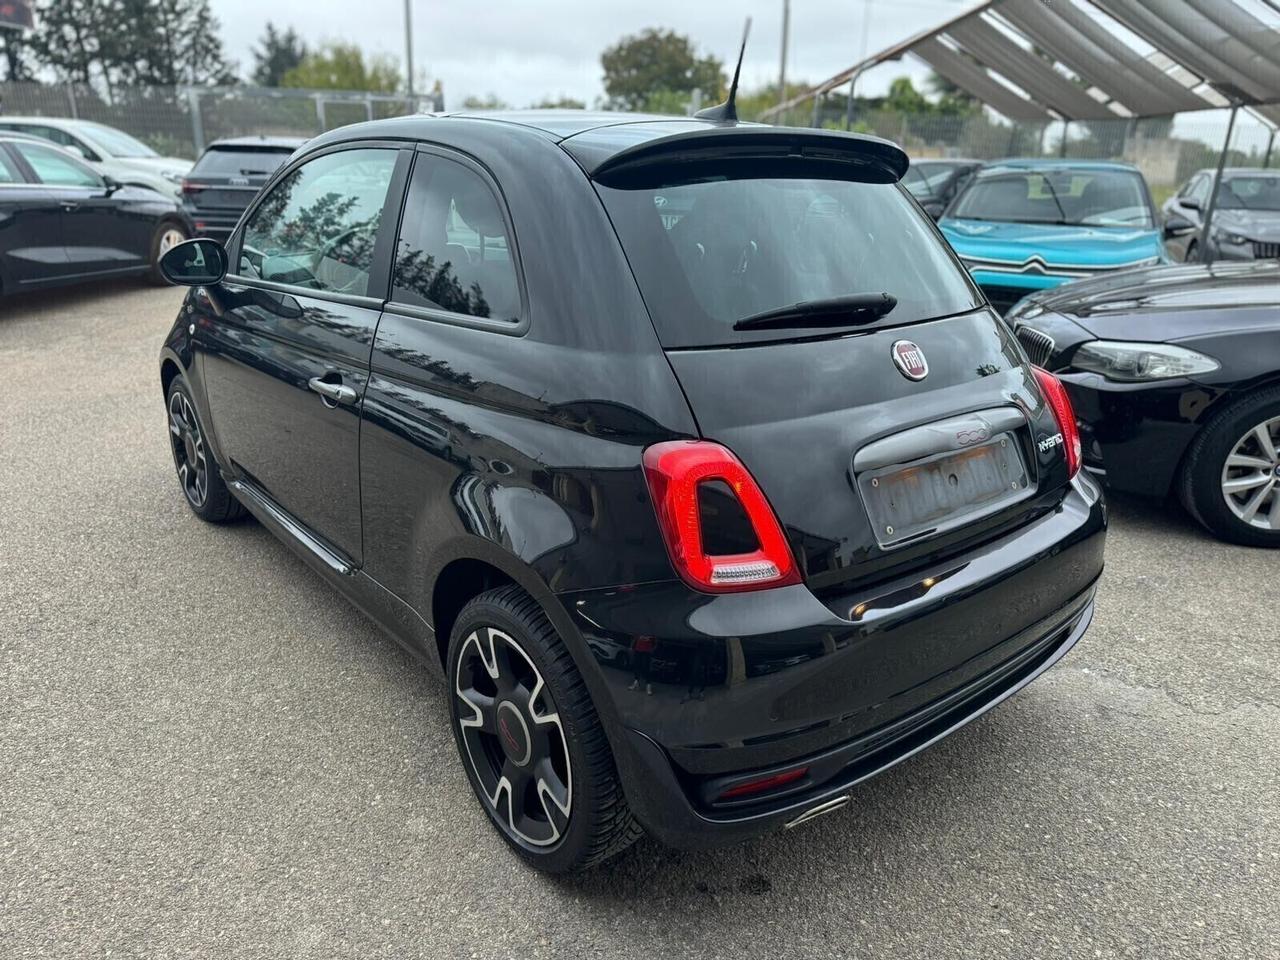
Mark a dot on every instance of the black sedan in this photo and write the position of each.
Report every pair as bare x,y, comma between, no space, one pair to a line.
1174,372
63,222
227,176
935,183
1246,217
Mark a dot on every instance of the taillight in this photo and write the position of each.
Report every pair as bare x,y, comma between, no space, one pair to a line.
190,187
1056,396
674,471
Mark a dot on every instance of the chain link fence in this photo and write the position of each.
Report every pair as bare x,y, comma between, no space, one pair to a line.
1166,149
181,121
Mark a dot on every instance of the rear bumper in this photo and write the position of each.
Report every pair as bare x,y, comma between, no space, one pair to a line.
661,803
709,691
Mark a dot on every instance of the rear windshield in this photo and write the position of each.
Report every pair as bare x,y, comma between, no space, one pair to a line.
709,253
223,162
1100,198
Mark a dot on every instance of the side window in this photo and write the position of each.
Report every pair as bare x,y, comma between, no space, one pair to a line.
8,169
1200,189
55,168
318,226
453,252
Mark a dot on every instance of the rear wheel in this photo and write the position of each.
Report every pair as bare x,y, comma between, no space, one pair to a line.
529,737
198,475
167,236
1231,479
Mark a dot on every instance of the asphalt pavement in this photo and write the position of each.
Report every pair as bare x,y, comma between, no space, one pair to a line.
205,752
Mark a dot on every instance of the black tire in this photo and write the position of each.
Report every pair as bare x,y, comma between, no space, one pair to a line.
599,822
163,230
209,500
1200,486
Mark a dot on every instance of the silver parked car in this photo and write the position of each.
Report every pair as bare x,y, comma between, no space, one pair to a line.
111,152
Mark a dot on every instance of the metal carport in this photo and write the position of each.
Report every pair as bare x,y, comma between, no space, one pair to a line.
1074,60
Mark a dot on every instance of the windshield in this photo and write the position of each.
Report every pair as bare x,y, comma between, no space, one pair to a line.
1104,198
927,179
239,162
1250,193
116,143
710,253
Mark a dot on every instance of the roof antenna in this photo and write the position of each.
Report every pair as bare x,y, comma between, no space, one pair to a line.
728,111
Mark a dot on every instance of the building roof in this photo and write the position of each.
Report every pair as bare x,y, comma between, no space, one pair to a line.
1100,59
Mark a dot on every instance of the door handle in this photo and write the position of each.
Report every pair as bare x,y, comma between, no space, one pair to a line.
70,205
332,394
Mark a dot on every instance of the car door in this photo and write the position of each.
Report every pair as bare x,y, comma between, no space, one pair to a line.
1187,205
286,363
100,231
31,250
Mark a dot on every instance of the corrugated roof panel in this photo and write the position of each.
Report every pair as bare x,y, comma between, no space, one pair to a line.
1028,71
976,81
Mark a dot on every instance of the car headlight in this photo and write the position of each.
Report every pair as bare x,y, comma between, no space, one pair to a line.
1025,309
1226,236
171,176
1136,362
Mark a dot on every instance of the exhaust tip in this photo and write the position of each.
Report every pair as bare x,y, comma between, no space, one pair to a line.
827,806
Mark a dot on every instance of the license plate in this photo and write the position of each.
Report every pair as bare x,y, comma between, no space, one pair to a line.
945,491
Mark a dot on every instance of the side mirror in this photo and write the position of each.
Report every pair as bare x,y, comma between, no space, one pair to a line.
1190,202
195,263
1176,226
111,183
78,150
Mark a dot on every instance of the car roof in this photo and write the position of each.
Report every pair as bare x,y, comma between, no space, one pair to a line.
1057,163
270,143
599,139
1241,171
49,121
954,161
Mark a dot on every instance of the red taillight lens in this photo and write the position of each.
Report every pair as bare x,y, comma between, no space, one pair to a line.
752,787
190,187
674,471
1056,396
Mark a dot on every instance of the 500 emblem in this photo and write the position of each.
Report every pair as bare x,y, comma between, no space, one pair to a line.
975,435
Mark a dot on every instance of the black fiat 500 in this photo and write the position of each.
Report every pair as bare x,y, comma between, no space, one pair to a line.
685,451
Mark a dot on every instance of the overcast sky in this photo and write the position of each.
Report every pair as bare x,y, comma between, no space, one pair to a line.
523,50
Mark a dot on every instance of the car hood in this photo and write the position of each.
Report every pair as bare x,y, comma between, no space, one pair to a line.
1168,302
1070,245
1252,224
160,165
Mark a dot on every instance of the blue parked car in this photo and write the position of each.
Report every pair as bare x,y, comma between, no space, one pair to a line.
1026,225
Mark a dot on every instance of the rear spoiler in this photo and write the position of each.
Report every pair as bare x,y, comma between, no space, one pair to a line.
854,155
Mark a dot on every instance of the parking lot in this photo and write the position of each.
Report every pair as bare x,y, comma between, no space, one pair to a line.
209,753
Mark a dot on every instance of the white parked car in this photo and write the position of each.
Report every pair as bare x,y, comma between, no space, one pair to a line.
112,152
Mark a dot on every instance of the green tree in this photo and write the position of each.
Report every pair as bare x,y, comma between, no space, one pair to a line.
342,66
639,67
169,42
558,103
488,102
15,53
77,38
278,52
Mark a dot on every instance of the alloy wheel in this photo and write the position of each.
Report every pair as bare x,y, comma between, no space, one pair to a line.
515,742
188,449
170,239
1251,476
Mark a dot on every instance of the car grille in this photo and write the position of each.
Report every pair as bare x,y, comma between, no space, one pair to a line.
1039,346
1265,251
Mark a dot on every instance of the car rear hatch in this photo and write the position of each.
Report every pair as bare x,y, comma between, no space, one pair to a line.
884,443
226,177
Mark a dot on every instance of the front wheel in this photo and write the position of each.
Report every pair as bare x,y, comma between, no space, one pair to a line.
167,236
1231,478
198,475
529,737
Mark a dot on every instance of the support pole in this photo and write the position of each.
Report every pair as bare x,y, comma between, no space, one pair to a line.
817,109
408,46
1066,128
1271,142
848,104
782,60
1206,254
197,122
